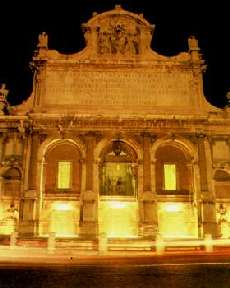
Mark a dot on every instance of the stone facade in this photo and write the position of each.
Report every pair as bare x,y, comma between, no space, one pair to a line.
114,115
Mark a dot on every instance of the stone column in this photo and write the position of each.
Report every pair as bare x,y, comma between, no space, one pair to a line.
89,196
195,189
40,195
1,187
208,207
148,197
1,146
140,197
154,195
28,222
40,80
1,178
94,40
33,162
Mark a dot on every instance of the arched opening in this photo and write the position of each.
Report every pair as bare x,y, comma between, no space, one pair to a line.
222,189
173,174
62,172
12,182
63,169
118,190
118,171
177,212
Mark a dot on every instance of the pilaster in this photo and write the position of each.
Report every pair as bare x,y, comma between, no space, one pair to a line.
89,225
148,197
208,207
28,203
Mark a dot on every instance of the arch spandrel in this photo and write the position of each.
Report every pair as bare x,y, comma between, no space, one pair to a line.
221,175
104,145
50,142
173,160
186,146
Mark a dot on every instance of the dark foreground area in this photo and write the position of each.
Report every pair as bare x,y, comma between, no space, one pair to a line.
194,275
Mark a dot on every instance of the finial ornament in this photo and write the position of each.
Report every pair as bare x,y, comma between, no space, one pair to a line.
43,40
193,43
228,98
117,7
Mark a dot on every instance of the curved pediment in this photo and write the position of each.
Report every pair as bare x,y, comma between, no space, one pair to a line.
118,33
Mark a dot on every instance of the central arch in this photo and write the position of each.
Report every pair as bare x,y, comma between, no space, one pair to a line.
118,190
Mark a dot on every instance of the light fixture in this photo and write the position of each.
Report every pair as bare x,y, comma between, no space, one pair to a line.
117,147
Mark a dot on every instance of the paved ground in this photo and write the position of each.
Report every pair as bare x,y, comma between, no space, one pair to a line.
37,268
38,256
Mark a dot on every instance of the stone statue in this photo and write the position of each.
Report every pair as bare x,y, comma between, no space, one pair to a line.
118,39
42,40
3,98
103,43
119,186
228,98
3,92
193,43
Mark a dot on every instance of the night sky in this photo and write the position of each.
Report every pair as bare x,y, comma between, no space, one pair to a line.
21,22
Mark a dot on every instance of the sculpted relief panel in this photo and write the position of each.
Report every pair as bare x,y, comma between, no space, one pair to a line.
117,36
118,33
121,88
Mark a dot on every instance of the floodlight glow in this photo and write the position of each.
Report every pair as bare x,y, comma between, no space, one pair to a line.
173,207
62,206
117,204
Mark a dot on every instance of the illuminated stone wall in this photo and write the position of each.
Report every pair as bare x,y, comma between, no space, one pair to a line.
177,220
116,92
118,218
9,217
61,217
223,219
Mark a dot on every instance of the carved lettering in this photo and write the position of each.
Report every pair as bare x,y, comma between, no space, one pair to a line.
117,88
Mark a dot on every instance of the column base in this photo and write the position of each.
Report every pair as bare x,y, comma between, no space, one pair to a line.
89,230
149,230
28,228
210,228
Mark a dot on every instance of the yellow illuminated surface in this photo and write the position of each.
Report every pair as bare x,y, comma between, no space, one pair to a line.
62,206
177,220
224,221
118,218
117,179
7,223
117,204
61,218
7,226
64,173
169,176
173,207
225,230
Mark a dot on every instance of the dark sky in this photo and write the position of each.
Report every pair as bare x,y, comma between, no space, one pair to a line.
21,22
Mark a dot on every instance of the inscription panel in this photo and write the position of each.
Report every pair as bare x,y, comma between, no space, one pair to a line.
121,88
